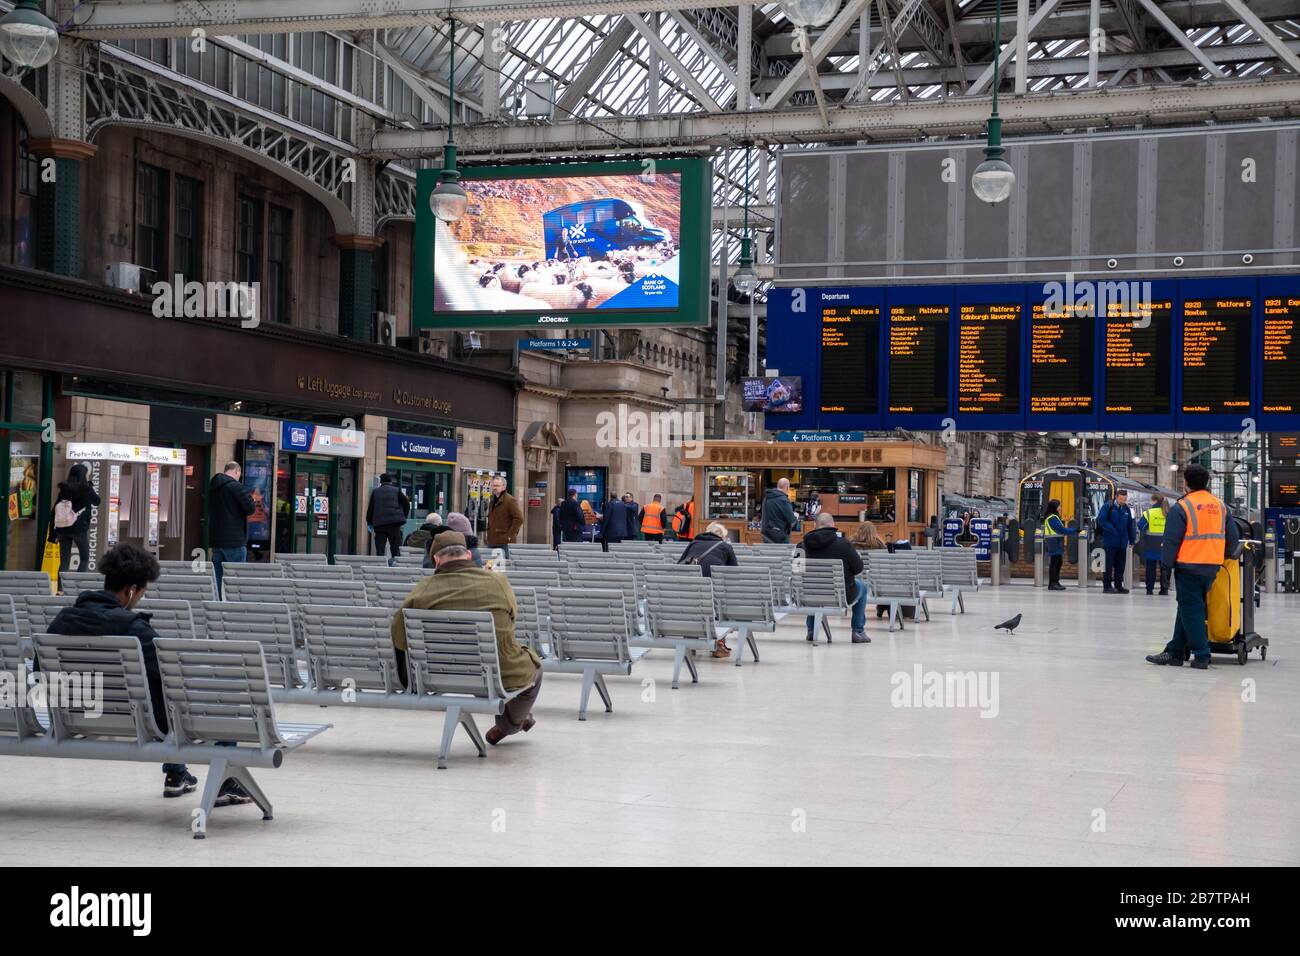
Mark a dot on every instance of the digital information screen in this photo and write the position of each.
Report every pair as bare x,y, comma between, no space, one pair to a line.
1283,448
1216,356
988,358
918,359
1281,366
1284,488
568,244
1137,351
850,349
1061,359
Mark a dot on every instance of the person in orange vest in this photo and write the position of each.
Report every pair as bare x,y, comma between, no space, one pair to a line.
1199,532
684,521
652,519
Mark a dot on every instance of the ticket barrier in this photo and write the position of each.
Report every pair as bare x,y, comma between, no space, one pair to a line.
1040,560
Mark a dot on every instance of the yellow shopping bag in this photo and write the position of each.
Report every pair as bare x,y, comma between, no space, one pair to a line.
50,564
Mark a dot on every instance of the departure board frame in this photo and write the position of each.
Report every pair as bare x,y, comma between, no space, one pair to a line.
1276,287
794,347
1061,420
847,297
1161,291
922,295
1202,289
1011,294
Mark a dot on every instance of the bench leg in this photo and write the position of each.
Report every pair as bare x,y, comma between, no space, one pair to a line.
752,641
961,602
216,777
244,777
471,728
449,725
826,626
588,681
956,597
680,654
603,691
925,606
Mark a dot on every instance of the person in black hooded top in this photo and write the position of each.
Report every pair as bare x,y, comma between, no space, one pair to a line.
128,571
80,495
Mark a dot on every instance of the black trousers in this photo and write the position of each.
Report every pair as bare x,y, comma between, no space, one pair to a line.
1116,559
1054,568
66,541
390,534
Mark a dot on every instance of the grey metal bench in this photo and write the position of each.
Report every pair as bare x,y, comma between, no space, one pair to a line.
318,571
177,566
679,616
214,691
742,599
892,580
271,624
315,557
528,618
375,577
169,618
960,575
19,584
388,594
193,588
454,667
819,592
74,582
589,636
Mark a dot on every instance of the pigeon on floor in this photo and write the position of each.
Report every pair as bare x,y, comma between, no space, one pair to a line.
1010,626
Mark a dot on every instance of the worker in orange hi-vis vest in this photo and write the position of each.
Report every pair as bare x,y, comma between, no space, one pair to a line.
1199,533
684,521
652,519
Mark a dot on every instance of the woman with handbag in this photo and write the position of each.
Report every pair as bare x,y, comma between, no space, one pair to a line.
70,521
708,550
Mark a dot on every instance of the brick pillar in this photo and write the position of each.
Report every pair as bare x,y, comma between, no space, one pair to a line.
58,204
355,293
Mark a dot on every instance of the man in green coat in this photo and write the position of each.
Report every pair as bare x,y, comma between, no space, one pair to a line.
459,584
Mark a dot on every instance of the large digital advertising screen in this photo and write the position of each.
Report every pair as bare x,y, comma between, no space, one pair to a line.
567,244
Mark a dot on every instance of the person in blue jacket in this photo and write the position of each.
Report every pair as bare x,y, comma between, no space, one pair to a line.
1054,532
1151,526
1118,531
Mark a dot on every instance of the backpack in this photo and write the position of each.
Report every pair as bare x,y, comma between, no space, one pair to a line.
682,521
64,516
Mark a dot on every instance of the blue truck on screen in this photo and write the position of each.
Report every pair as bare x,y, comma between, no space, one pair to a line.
597,227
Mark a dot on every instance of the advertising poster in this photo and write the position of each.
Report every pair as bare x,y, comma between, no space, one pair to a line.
781,394
982,529
155,478
22,487
259,473
609,242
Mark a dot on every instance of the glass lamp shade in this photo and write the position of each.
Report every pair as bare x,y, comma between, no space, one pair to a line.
746,279
810,13
449,201
27,37
993,180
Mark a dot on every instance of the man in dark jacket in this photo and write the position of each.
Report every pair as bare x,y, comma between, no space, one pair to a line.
618,523
1199,534
778,514
229,505
825,542
1118,532
128,571
385,515
572,519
